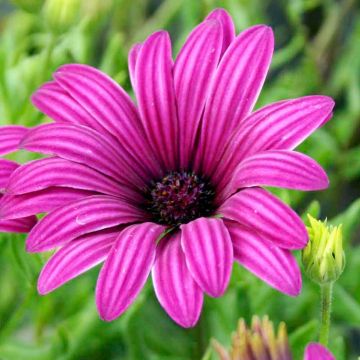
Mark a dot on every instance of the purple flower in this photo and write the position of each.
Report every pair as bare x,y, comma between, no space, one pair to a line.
10,137
172,186
316,351
261,341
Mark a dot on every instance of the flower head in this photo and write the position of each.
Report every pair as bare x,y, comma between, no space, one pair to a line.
261,342
10,137
323,257
172,186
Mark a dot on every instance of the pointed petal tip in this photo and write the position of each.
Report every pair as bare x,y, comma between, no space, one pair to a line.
106,316
320,102
264,30
323,181
42,287
303,239
217,12
71,67
216,293
327,100
295,288
158,35
187,324
105,313
30,247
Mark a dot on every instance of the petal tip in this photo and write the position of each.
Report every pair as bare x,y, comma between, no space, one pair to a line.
295,289
31,246
217,12
188,323
42,288
159,35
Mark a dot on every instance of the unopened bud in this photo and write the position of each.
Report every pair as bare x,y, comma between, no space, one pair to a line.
61,14
323,257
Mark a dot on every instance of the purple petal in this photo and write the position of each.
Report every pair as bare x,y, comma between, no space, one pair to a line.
76,258
280,168
234,91
192,79
275,266
156,97
175,288
279,126
126,269
83,145
57,104
316,351
41,174
227,25
132,59
100,95
78,218
259,210
209,254
111,106
22,225
7,167
10,137
43,201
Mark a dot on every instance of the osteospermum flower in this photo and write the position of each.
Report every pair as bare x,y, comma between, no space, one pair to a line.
261,342
171,186
10,136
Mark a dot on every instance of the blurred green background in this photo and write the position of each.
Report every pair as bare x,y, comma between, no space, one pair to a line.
317,52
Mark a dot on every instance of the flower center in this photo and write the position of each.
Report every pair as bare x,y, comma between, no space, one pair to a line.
179,197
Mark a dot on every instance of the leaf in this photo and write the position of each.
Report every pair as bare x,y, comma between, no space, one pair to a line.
302,336
313,209
350,219
345,306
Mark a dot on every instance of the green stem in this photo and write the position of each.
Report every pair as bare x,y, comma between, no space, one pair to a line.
326,296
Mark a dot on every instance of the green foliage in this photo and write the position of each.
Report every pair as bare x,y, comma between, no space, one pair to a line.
318,47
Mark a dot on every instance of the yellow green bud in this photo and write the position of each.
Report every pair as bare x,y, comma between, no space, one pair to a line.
323,257
95,9
61,14
260,341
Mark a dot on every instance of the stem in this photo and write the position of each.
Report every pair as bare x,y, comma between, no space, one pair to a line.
326,296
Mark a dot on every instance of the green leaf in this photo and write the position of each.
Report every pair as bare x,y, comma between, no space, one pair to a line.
302,336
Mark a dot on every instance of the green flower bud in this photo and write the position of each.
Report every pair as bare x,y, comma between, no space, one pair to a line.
323,257
61,14
95,9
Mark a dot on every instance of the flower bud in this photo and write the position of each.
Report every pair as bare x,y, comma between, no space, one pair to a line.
257,342
61,14
323,257
95,9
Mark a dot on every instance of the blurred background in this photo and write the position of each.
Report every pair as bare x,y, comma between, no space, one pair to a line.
317,52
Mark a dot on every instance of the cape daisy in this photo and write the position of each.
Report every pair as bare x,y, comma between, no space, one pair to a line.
261,340
172,186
